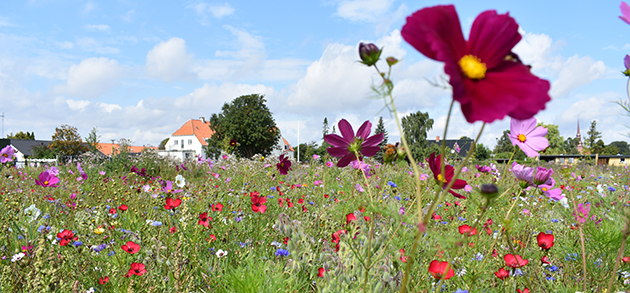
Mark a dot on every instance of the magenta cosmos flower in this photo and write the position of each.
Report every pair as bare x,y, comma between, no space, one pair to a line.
348,144
488,80
47,180
449,172
6,154
284,165
625,12
528,137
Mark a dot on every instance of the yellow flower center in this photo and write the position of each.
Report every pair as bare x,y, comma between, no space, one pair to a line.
472,67
282,165
441,178
45,182
544,189
5,155
521,137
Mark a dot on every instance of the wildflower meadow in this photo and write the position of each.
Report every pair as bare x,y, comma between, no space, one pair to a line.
343,222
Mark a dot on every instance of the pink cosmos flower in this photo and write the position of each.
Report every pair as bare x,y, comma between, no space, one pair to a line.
528,137
584,210
348,144
555,193
625,12
525,175
6,154
47,180
488,80
543,176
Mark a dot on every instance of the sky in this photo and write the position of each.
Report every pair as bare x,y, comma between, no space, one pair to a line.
139,70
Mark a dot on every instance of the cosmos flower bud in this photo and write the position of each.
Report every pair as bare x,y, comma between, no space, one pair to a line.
391,61
369,53
626,62
489,191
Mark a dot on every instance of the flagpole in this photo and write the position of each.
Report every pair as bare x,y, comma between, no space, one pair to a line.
298,156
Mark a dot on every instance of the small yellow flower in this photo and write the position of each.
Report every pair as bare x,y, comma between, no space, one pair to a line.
99,231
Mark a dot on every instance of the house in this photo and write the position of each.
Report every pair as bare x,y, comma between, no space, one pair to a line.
610,160
113,148
188,141
23,147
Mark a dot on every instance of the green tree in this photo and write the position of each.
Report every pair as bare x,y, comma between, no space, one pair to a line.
415,126
43,152
325,128
610,150
622,147
598,147
22,135
380,128
325,145
249,122
569,146
67,142
593,136
162,145
505,148
482,152
556,141
307,150
92,140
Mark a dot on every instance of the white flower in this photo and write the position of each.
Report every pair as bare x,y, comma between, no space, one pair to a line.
33,212
276,244
564,202
91,290
221,253
180,181
17,257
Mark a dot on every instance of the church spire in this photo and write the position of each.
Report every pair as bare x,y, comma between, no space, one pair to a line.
578,137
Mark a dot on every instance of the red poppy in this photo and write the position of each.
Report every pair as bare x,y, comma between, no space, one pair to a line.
136,269
366,218
545,241
204,220
131,247
172,203
285,240
403,258
66,236
436,167
439,270
522,291
212,237
350,217
502,274
545,260
487,79
467,230
172,229
112,211
123,207
436,217
495,253
626,259
257,204
217,207
320,272
304,210
301,201
281,202
104,280
515,261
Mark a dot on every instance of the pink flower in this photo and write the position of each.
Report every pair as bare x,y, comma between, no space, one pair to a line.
625,12
528,137
584,210
348,146
47,180
488,80
6,154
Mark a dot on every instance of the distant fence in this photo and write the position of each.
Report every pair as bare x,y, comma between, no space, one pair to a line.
35,162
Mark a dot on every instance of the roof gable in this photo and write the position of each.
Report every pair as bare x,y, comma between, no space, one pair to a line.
196,127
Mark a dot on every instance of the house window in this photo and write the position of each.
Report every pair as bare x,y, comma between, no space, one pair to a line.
175,142
571,160
190,141
561,160
622,160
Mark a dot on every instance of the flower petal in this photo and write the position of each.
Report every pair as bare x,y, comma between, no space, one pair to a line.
336,140
338,151
537,143
528,150
370,151
345,161
455,194
364,130
492,37
374,140
346,131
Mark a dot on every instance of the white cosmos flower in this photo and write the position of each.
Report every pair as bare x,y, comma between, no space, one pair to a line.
180,181
221,253
33,213
17,257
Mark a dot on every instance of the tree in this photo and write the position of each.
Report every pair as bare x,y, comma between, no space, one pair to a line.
42,152
598,147
570,146
482,152
622,147
22,135
610,150
308,150
415,126
67,141
249,122
556,141
93,140
505,148
124,146
325,127
380,128
593,136
325,145
162,145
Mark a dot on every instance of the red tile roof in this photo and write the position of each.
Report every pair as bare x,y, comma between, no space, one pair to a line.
287,143
106,148
197,128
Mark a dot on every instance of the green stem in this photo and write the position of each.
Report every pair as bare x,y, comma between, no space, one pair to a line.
507,165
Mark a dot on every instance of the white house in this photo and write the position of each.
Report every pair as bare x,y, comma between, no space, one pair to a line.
188,141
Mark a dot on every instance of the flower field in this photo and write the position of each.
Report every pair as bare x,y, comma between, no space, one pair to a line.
241,226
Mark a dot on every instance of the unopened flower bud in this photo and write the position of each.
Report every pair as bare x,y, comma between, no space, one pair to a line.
391,61
369,53
489,191
626,62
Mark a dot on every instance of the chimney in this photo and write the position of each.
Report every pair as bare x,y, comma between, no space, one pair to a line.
203,119
437,139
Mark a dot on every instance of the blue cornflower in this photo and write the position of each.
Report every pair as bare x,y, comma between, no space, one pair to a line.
444,222
282,252
156,223
460,291
242,244
554,220
392,184
111,253
20,237
611,188
270,196
78,243
100,247
552,268
550,278
462,219
397,197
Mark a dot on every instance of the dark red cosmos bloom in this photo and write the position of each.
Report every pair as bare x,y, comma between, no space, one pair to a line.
217,207
515,261
320,272
467,230
104,280
257,204
545,241
488,80
136,269
436,167
232,142
438,270
284,165
348,144
204,220
131,247
123,207
522,291
66,236
502,274
172,203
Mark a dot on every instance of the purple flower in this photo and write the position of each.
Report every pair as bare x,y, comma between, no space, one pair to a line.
47,180
168,188
555,194
543,176
528,137
284,165
484,169
525,175
625,12
348,146
6,154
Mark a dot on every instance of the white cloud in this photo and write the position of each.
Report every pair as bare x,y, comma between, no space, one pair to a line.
87,8
363,10
97,27
65,45
92,45
249,45
169,61
109,107
128,16
91,78
576,72
77,105
204,10
221,10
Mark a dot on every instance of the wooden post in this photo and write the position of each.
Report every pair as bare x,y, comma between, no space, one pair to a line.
596,159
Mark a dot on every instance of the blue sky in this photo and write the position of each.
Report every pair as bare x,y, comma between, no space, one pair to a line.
138,70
